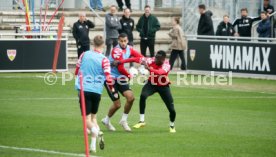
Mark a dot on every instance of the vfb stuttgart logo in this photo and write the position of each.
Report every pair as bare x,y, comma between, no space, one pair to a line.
11,54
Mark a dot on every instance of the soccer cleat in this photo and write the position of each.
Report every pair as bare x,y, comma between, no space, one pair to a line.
139,125
101,140
172,129
108,125
93,151
125,125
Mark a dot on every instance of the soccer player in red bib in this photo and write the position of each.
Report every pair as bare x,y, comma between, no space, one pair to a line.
158,82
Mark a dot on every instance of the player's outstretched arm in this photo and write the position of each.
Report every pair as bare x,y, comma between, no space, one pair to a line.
135,57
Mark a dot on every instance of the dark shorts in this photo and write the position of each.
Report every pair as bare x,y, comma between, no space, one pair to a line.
120,86
92,101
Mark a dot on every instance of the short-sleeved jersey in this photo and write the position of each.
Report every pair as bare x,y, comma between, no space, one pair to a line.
95,68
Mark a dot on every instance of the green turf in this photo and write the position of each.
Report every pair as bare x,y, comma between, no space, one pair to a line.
215,121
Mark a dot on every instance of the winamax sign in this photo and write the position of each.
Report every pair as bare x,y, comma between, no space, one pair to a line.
242,57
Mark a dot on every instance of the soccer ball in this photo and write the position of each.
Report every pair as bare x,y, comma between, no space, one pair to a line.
143,71
133,71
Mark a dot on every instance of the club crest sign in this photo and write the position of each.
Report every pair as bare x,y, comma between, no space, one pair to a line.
192,54
11,54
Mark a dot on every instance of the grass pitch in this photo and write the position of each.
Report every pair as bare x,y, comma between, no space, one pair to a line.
215,121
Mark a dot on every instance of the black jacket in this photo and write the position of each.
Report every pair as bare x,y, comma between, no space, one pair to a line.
153,26
205,24
81,32
244,25
225,29
269,7
127,27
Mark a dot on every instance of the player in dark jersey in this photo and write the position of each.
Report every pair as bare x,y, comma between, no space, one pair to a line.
158,82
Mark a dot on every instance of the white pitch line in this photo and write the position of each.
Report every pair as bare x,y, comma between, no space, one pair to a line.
179,97
43,151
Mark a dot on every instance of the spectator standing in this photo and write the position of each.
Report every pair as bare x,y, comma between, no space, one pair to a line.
121,4
178,43
267,7
205,25
244,23
81,33
270,10
225,28
147,26
127,24
112,25
97,4
127,27
264,27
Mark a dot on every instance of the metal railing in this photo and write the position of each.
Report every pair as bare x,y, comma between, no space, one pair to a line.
231,38
255,25
32,36
34,27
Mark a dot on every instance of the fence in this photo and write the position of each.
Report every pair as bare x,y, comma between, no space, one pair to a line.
219,8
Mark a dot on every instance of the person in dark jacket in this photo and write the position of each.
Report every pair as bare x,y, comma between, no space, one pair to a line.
147,26
268,8
81,33
264,27
121,4
112,27
127,26
225,28
205,24
244,24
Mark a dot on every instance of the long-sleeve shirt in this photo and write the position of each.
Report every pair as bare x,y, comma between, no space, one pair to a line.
113,25
264,29
120,54
127,27
95,69
81,32
158,73
244,25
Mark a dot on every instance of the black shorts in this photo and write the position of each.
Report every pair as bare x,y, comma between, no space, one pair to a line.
92,101
120,86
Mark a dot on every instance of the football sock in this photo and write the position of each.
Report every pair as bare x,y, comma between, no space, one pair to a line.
95,131
106,119
93,143
171,124
124,117
142,117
